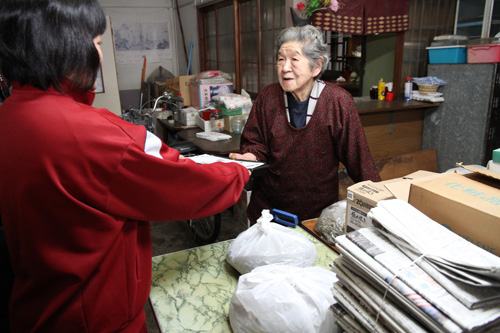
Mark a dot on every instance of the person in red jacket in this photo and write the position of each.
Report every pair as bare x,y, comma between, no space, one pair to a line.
76,181
303,128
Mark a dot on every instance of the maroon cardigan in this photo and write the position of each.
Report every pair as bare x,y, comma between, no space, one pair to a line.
303,163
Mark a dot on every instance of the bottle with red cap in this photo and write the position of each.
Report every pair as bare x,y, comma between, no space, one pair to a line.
408,88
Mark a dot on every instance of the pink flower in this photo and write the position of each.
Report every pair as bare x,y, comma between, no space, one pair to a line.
335,5
301,6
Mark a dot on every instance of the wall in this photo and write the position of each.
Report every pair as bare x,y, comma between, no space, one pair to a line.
110,98
153,11
187,10
380,52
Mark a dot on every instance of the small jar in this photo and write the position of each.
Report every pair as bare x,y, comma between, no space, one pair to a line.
374,92
216,121
237,124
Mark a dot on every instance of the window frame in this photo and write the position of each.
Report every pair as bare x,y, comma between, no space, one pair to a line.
202,11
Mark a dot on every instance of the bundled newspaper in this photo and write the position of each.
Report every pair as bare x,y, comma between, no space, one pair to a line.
408,273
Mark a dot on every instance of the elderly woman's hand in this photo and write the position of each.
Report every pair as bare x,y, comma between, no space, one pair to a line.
246,156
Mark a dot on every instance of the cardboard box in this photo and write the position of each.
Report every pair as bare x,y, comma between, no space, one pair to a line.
363,196
468,205
181,85
203,93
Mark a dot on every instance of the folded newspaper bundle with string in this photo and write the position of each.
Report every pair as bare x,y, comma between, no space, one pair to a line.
409,273
446,251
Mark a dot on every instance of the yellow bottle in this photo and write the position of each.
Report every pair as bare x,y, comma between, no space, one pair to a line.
381,89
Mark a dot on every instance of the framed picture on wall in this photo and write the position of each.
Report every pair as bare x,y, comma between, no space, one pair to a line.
100,82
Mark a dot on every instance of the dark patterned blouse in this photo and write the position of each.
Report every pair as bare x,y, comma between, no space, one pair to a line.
302,177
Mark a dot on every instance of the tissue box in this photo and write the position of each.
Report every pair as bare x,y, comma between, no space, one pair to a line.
188,116
201,94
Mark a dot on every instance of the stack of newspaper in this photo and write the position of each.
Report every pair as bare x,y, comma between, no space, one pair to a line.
410,274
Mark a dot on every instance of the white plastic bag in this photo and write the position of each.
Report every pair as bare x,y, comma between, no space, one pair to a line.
281,298
267,243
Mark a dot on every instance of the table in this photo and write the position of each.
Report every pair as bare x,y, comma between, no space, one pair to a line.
191,290
169,129
392,128
222,148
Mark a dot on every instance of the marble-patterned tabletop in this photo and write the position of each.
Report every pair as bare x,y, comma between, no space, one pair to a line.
191,289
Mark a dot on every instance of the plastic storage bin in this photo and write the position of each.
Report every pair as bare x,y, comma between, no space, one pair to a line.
455,54
484,50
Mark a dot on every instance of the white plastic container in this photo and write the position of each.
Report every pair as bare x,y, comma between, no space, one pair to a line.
493,166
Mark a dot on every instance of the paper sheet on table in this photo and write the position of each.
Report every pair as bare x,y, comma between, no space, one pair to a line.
207,159
213,136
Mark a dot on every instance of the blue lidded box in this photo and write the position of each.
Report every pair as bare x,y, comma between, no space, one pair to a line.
452,54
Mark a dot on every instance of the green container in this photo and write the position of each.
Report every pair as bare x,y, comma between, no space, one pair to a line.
234,112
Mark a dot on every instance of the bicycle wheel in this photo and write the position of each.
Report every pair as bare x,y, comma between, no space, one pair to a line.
206,229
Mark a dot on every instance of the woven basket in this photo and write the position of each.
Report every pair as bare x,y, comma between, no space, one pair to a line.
427,89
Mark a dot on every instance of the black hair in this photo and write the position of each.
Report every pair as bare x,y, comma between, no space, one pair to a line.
43,42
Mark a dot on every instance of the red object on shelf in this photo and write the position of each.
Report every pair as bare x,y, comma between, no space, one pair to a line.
481,54
206,114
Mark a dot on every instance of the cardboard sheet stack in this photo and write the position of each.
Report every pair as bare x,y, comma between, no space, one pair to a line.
410,274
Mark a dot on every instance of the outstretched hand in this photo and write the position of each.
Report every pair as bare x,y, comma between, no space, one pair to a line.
246,156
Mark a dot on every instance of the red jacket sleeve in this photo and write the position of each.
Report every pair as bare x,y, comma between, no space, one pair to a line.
180,189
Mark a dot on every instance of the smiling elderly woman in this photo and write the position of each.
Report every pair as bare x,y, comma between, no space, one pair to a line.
303,128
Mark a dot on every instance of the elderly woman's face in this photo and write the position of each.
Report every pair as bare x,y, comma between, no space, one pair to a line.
294,70
97,43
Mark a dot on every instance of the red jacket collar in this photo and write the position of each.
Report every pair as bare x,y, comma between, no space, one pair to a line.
86,97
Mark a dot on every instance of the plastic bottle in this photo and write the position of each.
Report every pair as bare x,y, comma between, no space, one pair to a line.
381,89
408,88
216,121
179,107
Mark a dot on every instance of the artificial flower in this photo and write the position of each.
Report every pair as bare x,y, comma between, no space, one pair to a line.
334,5
301,6
313,5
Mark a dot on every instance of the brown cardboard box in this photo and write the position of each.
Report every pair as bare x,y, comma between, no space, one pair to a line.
363,196
468,205
181,85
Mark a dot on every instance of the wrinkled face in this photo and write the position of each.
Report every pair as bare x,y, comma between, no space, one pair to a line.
294,70
97,43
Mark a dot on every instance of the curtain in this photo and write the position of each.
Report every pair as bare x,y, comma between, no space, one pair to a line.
364,17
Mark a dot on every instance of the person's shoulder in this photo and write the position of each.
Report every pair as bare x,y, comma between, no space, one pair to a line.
332,94
332,88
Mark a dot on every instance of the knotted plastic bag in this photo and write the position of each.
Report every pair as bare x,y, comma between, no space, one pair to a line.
281,298
331,222
267,243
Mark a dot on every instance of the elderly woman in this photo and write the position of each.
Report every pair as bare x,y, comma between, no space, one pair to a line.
303,128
